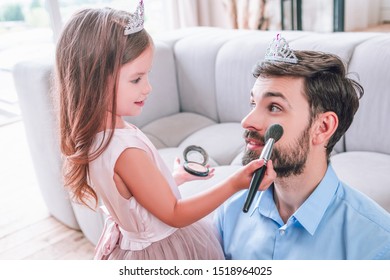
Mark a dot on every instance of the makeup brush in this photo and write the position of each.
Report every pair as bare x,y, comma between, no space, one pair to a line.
272,135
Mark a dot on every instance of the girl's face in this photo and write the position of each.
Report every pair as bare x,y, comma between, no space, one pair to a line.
133,84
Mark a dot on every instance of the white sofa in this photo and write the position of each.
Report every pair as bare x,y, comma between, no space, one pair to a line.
201,81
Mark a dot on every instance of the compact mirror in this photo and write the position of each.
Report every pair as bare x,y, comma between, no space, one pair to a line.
195,160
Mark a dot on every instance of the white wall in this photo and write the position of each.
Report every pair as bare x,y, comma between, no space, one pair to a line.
317,15
359,14
385,11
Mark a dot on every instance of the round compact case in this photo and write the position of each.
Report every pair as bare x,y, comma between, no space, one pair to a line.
195,160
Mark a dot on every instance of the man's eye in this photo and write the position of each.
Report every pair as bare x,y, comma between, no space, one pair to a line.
136,81
274,108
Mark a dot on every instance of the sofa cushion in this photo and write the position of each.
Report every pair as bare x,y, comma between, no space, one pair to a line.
222,141
172,130
238,159
367,172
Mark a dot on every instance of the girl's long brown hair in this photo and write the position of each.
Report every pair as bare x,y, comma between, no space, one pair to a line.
89,53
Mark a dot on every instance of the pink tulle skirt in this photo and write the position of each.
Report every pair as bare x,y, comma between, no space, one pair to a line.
198,241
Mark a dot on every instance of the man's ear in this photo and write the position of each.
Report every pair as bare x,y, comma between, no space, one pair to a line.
324,127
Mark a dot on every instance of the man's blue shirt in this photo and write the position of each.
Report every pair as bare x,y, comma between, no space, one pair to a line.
335,222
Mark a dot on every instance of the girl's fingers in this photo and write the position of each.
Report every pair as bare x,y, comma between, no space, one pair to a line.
270,176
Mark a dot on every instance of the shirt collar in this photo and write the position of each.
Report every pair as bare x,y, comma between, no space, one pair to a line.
265,205
310,213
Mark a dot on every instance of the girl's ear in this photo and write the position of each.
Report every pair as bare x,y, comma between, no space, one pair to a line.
324,127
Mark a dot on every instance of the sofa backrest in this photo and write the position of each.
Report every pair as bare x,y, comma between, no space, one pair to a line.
214,70
370,130
196,58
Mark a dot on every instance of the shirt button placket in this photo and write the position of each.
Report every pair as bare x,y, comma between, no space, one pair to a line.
280,243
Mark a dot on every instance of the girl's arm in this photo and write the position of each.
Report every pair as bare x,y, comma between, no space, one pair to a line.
148,186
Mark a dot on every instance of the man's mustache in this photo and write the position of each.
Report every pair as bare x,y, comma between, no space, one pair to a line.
253,135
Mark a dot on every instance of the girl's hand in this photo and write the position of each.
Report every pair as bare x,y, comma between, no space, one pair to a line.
181,175
242,178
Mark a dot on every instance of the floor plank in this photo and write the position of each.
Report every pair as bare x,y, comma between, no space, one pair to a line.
385,27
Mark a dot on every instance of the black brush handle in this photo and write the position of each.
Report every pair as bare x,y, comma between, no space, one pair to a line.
257,177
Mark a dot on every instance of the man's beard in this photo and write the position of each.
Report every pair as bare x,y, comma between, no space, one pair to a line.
286,161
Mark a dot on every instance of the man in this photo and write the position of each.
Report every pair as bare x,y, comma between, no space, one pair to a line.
307,213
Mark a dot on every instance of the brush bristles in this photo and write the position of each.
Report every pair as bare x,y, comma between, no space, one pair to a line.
275,131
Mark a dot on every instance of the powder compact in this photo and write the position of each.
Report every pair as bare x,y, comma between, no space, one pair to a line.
195,160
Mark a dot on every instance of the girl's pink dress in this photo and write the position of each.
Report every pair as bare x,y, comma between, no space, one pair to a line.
130,231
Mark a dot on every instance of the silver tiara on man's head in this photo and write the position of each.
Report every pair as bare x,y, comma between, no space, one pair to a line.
136,21
279,50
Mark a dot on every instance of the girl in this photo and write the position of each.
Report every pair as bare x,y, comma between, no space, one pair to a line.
102,63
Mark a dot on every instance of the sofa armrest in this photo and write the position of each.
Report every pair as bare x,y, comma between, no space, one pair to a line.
33,82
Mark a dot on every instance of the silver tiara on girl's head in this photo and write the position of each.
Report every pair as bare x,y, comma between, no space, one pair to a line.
136,21
279,50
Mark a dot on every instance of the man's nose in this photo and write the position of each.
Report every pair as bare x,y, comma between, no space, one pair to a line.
254,121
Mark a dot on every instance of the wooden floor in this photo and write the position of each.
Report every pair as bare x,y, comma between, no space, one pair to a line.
385,27
27,231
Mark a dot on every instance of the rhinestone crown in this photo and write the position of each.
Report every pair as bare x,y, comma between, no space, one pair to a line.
279,50
136,21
